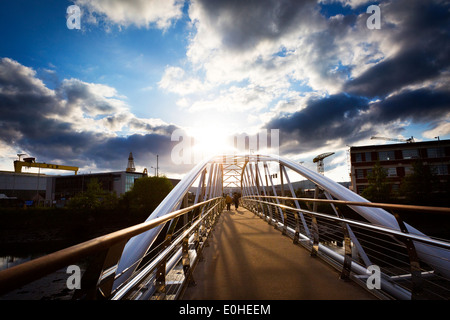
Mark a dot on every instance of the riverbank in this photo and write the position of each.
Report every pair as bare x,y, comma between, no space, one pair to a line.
47,230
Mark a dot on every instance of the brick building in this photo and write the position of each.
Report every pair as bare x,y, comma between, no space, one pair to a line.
398,159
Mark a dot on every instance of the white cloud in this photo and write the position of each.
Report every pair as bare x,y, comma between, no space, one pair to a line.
247,60
175,80
441,129
91,100
87,124
235,99
183,103
227,50
141,13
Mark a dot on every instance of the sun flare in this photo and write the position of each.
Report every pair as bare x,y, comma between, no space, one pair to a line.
211,140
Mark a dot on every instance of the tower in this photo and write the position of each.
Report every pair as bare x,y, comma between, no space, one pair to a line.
130,167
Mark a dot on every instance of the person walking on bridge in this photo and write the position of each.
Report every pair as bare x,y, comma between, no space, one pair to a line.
236,200
228,201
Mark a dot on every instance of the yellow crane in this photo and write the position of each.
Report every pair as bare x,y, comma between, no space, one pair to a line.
31,162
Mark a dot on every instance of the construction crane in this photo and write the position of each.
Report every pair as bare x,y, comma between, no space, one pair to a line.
409,140
319,161
31,162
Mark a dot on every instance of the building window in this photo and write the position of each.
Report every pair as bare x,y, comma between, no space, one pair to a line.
368,156
129,182
386,155
440,169
369,172
433,153
410,154
392,172
358,157
359,173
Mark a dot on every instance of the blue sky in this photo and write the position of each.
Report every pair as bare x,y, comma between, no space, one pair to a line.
130,60
138,70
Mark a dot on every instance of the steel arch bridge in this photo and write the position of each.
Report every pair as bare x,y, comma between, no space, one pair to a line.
155,259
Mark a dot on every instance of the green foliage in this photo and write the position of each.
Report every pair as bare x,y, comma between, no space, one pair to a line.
147,193
93,198
420,187
379,189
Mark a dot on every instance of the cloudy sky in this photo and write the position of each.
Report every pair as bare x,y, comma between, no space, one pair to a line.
138,70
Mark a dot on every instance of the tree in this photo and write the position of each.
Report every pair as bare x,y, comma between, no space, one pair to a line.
379,189
148,192
419,187
93,198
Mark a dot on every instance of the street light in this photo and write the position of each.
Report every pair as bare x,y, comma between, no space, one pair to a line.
157,166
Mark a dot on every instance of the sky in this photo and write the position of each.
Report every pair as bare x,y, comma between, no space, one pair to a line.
138,71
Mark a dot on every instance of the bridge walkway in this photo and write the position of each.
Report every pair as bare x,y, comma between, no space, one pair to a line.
247,259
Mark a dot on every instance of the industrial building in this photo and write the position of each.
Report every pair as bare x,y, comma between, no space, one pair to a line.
398,159
57,189
26,186
62,188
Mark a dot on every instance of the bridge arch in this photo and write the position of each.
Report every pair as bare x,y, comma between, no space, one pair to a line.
210,173
118,271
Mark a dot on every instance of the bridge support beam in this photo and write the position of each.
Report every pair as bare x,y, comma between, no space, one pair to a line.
347,265
160,281
414,263
187,270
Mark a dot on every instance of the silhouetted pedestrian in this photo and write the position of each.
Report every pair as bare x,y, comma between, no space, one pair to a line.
228,201
236,200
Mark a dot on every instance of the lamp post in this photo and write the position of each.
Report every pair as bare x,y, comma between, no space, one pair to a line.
37,187
157,166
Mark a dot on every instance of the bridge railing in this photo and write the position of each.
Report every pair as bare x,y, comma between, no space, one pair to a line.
162,273
382,259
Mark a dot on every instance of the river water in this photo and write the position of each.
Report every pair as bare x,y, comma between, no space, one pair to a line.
51,287
9,261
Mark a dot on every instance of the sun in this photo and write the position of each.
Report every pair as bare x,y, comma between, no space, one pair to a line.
211,139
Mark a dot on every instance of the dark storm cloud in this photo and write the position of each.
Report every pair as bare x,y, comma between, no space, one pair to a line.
112,152
323,119
14,76
352,118
403,85
420,106
78,93
243,24
423,36
407,68
33,120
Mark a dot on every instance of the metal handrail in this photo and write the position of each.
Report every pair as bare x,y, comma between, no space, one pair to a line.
367,204
344,262
394,232
29,271
124,289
